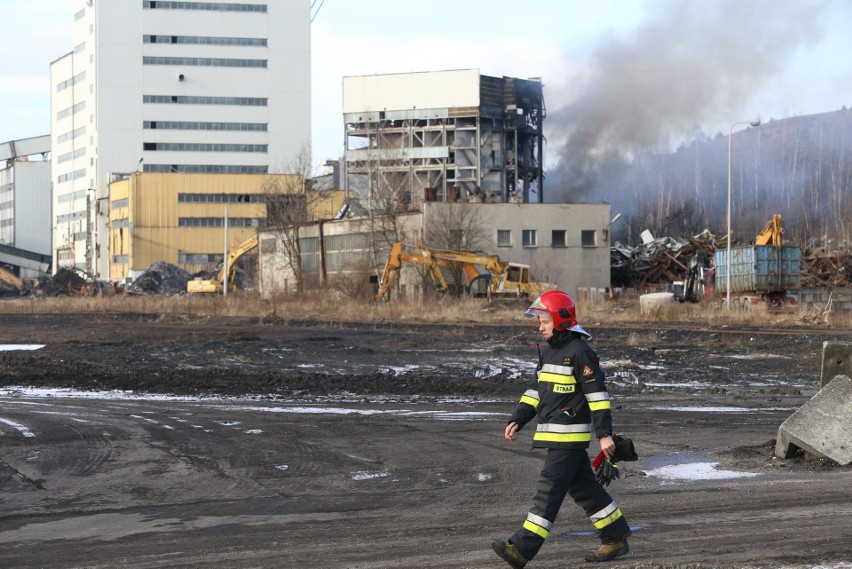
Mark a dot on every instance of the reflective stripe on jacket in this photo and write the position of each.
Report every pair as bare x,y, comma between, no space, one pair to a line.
569,396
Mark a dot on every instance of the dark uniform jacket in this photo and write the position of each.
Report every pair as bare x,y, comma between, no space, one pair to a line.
569,395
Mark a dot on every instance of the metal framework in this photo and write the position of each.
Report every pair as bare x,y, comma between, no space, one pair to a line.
488,153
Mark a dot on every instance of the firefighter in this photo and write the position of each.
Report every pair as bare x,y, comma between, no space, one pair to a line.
571,402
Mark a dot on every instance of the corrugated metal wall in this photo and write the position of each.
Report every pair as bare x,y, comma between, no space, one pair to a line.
153,224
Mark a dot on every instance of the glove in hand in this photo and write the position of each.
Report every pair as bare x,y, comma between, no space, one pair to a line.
607,472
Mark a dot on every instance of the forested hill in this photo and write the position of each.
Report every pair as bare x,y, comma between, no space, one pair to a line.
799,167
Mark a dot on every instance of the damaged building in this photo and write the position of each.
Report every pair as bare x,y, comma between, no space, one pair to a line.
445,136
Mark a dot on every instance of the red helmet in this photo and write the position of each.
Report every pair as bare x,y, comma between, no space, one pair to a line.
560,307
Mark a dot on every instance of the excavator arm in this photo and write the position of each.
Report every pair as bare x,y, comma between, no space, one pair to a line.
503,278
772,234
391,270
217,284
9,278
234,256
399,253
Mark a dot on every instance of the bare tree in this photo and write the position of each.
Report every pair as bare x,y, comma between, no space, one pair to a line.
289,204
352,280
456,227
385,201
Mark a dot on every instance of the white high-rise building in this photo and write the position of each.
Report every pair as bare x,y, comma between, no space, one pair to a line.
163,86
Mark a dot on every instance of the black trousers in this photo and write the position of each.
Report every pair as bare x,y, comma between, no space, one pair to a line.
564,471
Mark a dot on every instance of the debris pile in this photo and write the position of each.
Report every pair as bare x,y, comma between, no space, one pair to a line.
161,278
826,268
66,282
659,261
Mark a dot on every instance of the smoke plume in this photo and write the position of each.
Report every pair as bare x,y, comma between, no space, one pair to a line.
691,63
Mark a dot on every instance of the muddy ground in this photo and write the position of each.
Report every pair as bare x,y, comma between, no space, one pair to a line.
156,441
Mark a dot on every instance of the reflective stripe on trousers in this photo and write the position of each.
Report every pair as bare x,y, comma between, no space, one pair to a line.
568,470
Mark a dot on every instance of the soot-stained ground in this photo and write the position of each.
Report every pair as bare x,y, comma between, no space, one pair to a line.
166,441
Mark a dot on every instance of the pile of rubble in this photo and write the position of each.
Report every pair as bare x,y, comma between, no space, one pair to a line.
659,261
161,278
826,268
66,282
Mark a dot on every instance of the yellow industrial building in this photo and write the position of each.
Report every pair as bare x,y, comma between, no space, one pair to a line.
179,218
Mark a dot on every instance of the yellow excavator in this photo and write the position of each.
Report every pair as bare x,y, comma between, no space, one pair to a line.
773,232
10,279
217,283
500,277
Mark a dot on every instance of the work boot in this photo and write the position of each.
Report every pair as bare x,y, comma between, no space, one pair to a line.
609,551
509,553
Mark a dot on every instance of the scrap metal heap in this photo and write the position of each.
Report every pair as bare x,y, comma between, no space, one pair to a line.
659,262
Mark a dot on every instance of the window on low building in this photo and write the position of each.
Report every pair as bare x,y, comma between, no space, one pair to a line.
530,238
588,238
557,238
504,237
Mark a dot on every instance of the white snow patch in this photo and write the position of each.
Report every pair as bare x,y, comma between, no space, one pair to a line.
697,471
370,474
14,393
321,410
688,384
399,370
758,356
146,419
483,477
719,409
255,431
60,414
21,428
609,364
12,347
282,467
70,393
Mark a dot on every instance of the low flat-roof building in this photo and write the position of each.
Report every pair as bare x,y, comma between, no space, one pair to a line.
564,244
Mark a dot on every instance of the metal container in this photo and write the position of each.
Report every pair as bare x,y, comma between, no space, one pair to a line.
759,268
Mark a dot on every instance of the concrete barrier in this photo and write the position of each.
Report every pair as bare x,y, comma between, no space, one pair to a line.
836,360
821,426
